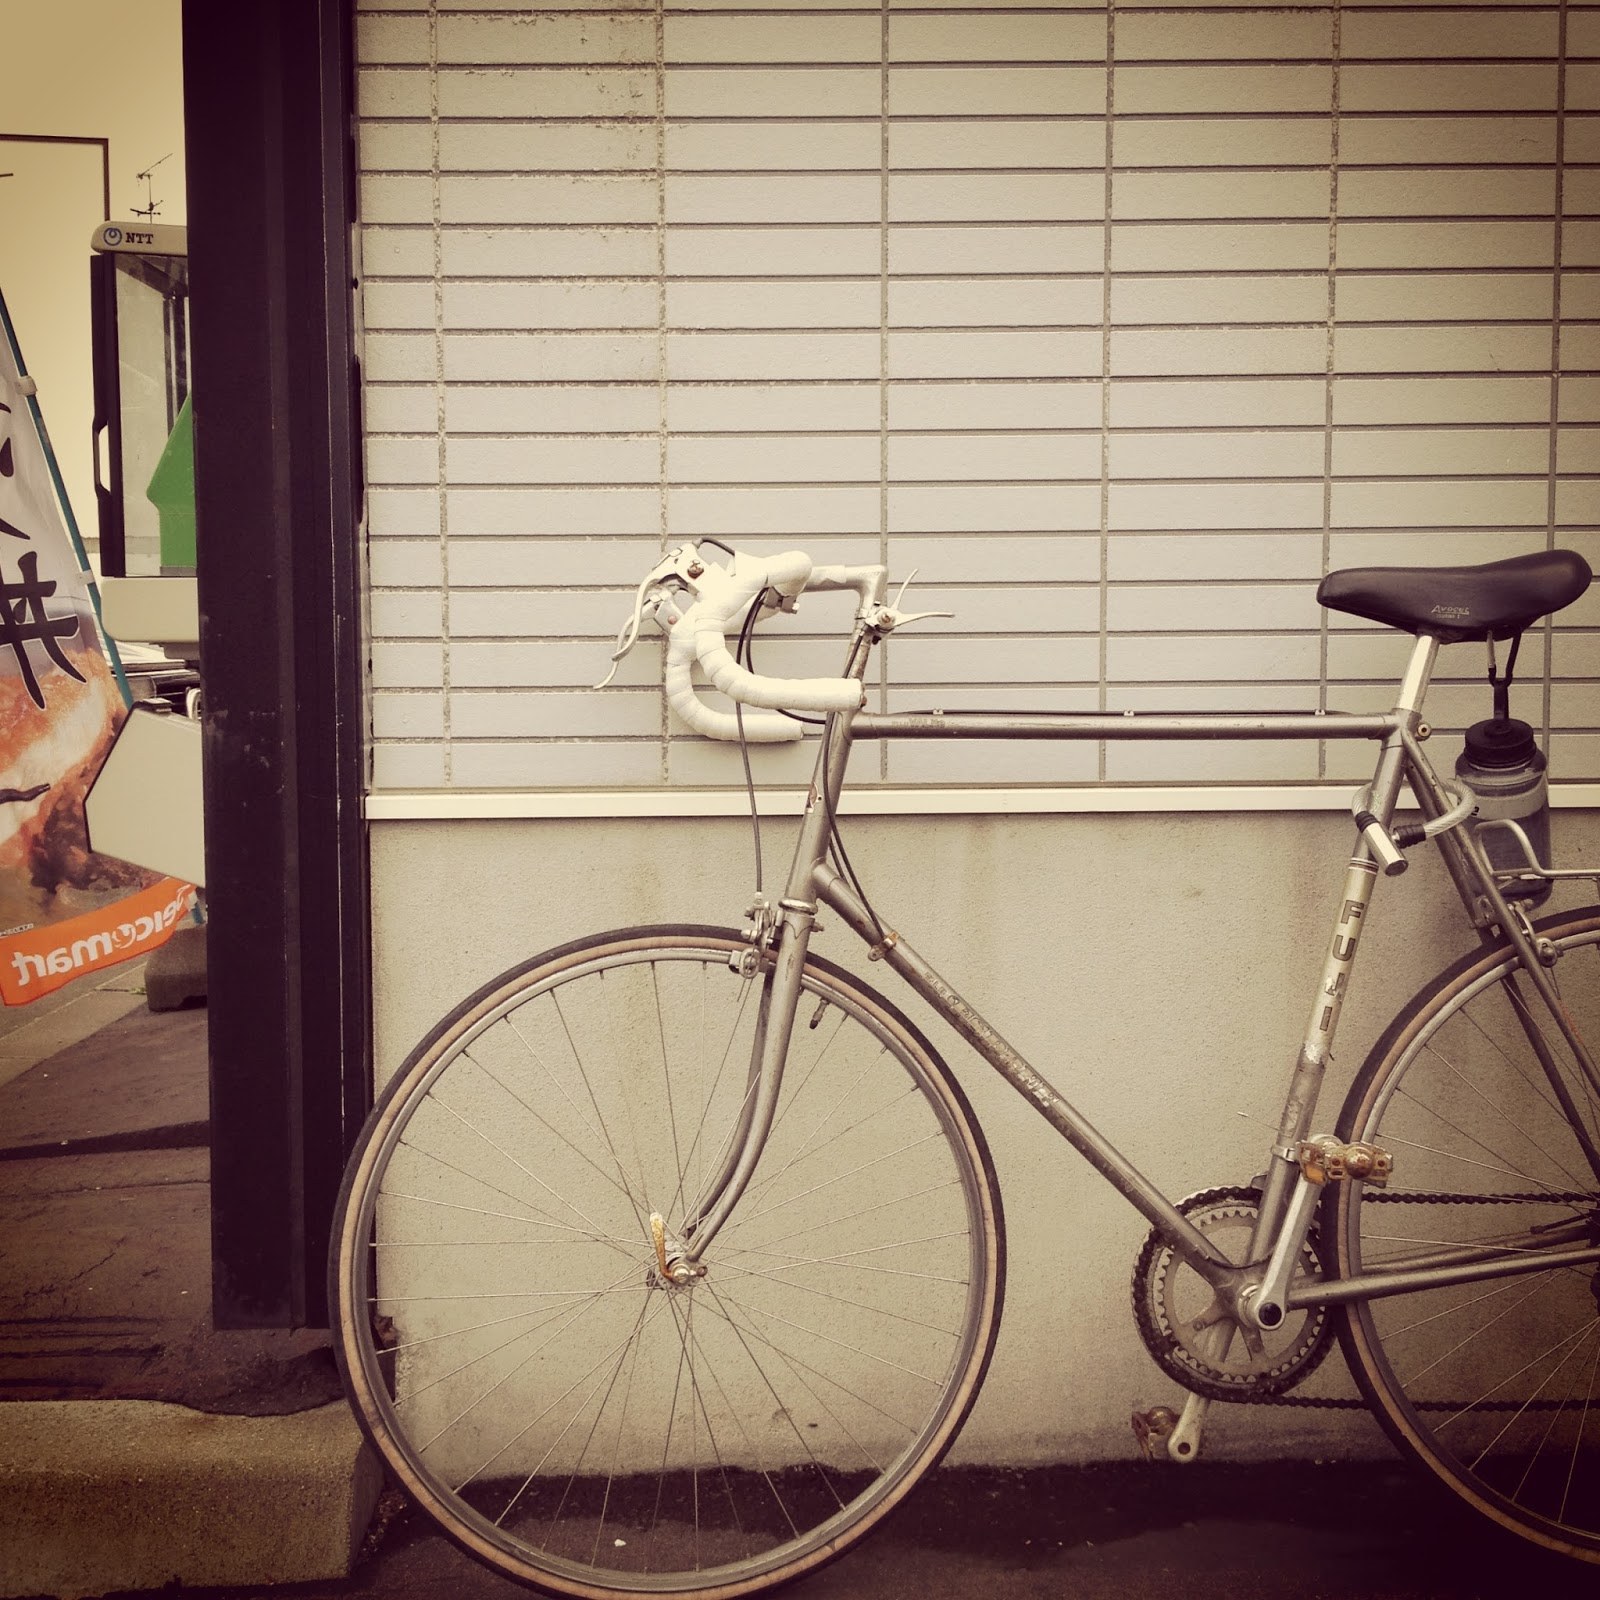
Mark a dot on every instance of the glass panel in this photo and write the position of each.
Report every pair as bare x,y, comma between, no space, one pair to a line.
153,362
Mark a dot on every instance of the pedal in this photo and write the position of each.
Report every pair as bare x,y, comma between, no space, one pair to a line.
1152,1429
1166,1435
1325,1159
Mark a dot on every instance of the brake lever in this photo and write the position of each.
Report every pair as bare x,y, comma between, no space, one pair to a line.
890,617
683,564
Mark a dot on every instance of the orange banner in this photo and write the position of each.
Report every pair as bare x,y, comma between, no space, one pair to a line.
39,960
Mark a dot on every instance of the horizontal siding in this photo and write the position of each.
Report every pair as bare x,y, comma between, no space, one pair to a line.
1123,324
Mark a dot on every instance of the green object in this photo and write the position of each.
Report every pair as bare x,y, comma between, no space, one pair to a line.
171,492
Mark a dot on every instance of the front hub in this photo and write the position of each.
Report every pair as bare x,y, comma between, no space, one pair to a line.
672,1269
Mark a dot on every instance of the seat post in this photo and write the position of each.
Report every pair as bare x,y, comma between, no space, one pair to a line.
1419,669
1386,781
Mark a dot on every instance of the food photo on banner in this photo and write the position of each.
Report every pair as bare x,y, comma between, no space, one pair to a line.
64,910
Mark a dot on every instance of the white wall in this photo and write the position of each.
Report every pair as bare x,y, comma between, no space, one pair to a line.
1123,323
1158,969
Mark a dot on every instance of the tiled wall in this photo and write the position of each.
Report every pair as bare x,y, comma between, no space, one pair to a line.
1122,323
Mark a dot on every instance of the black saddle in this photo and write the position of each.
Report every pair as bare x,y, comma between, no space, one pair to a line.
1496,600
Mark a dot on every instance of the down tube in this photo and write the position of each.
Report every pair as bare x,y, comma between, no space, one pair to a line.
1108,1161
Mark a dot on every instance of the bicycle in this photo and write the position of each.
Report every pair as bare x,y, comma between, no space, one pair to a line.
673,1257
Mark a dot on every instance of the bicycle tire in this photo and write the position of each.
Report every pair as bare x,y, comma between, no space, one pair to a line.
583,1432
1494,1386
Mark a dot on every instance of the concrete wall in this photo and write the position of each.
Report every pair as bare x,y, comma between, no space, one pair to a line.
1157,968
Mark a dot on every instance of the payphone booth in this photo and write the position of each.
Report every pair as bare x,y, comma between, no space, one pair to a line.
146,806
144,455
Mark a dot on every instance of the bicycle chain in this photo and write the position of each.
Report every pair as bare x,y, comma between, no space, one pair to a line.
1553,1197
1374,1197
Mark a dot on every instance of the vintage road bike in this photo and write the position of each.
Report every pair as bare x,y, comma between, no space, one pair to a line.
673,1257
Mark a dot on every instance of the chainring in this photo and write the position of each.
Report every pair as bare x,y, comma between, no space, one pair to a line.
1179,1319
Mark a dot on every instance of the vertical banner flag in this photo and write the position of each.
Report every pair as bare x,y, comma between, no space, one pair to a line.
63,910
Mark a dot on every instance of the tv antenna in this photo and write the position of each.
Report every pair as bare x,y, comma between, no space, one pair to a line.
152,207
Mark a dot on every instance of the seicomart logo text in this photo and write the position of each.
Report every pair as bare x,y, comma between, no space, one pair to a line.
39,960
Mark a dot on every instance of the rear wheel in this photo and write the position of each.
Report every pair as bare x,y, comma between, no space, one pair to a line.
1494,1127
511,1347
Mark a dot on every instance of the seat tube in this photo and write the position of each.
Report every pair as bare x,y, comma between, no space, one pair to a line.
1408,705
1361,876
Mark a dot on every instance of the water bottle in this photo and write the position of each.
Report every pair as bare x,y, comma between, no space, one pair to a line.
1505,769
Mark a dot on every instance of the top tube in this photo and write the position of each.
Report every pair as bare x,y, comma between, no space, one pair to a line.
1120,725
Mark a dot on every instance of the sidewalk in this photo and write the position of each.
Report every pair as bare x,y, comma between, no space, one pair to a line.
137,1443
105,1229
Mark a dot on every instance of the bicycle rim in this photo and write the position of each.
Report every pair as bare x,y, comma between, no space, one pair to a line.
1493,1385
512,1348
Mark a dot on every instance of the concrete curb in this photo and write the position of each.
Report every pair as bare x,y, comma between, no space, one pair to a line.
102,1495
175,975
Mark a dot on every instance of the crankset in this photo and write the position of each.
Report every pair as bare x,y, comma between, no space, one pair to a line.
1194,1339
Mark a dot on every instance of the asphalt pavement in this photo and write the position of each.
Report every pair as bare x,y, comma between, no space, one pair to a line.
1280,1532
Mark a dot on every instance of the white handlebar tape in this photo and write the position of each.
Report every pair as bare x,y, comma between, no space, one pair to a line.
760,727
700,634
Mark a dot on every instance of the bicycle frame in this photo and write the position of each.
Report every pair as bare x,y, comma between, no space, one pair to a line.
1262,1292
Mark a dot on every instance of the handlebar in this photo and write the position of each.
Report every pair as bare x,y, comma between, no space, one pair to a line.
696,601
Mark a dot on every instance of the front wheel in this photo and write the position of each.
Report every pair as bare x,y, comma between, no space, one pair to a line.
565,1411
1494,1128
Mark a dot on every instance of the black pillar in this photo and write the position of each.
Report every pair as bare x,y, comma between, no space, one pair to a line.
268,110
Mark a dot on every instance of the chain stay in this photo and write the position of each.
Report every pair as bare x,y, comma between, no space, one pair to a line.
1330,1403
